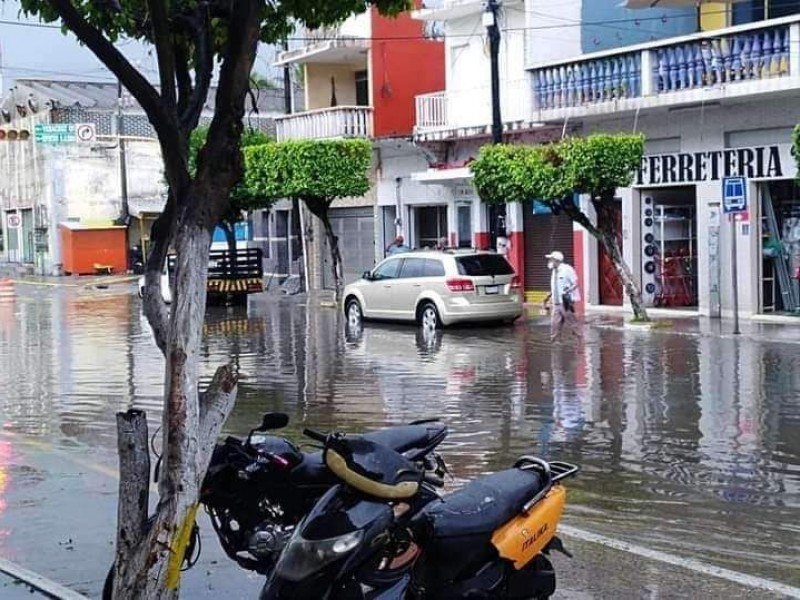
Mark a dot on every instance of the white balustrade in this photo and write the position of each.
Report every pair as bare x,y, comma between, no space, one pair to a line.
334,122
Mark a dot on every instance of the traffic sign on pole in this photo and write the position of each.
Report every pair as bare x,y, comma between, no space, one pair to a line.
734,194
13,220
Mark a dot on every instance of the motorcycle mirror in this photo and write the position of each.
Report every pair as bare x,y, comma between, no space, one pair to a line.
274,421
269,422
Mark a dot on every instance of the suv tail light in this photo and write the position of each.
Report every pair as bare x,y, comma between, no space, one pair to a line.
516,283
460,285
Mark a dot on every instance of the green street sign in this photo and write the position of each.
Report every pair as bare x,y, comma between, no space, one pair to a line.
56,134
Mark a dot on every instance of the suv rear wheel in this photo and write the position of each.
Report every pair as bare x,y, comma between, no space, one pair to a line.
428,316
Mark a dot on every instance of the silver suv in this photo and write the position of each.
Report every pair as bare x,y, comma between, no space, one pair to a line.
436,289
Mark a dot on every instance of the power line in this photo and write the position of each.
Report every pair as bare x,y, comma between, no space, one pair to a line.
605,23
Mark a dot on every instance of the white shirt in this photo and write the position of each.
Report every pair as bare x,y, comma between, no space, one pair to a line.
564,279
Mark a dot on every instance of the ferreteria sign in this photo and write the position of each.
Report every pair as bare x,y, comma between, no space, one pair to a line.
761,162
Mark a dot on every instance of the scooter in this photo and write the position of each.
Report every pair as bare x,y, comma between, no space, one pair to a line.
384,533
256,490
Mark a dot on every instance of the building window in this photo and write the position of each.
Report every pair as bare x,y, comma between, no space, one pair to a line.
752,11
362,88
464,215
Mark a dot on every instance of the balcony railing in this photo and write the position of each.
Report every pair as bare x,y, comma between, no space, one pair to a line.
723,58
336,122
472,107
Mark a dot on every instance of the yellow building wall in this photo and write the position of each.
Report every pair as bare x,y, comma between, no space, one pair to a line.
714,15
318,84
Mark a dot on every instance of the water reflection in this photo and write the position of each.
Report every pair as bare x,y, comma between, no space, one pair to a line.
691,444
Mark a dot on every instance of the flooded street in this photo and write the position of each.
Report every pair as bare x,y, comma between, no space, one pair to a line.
689,444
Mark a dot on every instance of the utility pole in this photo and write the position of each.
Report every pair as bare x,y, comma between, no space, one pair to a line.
287,83
123,163
493,32
496,213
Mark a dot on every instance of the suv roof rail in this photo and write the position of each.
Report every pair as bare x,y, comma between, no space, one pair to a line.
467,251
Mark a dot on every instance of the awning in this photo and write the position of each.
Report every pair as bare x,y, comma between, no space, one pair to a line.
671,3
442,176
146,206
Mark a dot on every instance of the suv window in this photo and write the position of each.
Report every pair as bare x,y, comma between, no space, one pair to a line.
413,267
481,265
387,270
433,268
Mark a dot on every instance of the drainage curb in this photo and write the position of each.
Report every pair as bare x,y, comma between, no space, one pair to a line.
39,583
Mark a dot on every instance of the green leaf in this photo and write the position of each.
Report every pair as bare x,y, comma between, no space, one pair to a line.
596,165
312,170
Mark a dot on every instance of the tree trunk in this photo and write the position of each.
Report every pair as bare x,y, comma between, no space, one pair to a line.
150,567
320,210
605,233
611,244
336,257
230,237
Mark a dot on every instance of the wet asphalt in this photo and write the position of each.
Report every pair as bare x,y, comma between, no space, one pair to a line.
688,438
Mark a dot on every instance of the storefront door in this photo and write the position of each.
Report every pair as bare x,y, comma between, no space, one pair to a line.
610,282
430,225
669,247
544,232
780,247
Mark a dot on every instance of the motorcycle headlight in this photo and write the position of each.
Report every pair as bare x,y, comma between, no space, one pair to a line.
303,557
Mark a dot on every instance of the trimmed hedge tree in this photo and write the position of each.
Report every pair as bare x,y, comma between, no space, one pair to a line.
316,172
595,165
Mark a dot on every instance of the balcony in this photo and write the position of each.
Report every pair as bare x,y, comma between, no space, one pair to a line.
468,112
712,66
444,10
326,123
344,43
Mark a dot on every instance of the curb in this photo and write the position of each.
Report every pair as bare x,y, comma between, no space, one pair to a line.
39,583
85,284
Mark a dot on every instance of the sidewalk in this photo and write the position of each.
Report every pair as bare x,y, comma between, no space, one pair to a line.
67,281
786,331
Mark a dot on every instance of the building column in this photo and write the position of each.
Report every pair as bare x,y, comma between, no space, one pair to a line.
480,219
516,239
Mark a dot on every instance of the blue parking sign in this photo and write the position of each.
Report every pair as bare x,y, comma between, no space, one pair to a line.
734,194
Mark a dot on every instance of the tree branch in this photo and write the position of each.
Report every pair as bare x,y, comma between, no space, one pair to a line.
204,69
134,488
164,121
155,309
182,77
216,404
162,40
580,217
220,161
134,82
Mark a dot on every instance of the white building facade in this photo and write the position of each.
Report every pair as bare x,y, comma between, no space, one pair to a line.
711,104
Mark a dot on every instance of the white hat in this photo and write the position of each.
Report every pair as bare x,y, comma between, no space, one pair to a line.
555,255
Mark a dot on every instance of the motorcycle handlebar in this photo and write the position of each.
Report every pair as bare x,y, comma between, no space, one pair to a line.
315,435
434,480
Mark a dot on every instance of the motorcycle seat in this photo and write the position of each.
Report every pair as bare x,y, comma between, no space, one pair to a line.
481,506
400,438
371,468
407,437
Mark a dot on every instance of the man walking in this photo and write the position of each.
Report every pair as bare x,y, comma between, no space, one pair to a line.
564,293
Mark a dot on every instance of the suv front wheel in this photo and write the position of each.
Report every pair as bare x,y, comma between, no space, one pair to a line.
353,310
428,316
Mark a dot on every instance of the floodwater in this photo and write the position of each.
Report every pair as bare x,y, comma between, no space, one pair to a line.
688,444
